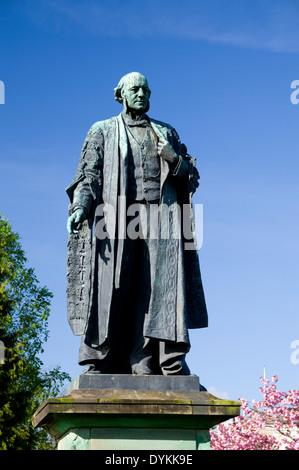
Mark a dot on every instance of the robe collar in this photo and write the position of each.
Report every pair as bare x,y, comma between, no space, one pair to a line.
143,122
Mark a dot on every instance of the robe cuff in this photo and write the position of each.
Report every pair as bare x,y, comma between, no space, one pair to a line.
82,202
80,207
181,168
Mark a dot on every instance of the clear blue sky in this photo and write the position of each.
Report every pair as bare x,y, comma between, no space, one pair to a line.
220,73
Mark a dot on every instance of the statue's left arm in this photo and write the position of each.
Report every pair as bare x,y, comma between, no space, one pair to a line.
182,165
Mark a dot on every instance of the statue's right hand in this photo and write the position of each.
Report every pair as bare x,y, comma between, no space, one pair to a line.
75,219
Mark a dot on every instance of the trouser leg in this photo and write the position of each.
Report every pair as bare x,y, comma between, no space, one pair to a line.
149,354
142,352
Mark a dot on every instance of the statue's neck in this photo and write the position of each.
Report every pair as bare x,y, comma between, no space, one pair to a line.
133,115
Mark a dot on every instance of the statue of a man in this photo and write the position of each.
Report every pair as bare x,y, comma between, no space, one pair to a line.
133,292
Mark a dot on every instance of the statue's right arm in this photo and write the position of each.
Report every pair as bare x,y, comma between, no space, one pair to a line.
86,189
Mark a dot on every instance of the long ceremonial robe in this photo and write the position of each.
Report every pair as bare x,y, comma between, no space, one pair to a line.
94,265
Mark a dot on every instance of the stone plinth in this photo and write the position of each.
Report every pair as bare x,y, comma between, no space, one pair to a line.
184,383
109,418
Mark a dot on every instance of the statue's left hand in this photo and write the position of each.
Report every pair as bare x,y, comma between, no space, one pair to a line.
166,151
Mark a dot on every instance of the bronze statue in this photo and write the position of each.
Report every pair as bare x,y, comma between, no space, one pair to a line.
133,287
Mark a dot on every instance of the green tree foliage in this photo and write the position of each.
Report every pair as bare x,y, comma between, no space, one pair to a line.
24,312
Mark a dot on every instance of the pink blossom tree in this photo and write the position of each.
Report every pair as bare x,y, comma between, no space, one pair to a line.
269,424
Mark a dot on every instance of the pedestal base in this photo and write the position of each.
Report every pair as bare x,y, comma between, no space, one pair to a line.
136,419
135,439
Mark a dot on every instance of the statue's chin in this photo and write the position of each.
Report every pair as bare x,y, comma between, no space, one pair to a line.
136,111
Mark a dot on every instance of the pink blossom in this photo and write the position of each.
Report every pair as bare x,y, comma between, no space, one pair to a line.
278,413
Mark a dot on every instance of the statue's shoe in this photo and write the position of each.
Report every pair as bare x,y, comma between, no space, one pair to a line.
92,369
138,369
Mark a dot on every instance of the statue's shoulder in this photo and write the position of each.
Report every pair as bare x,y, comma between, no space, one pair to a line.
163,125
101,127
165,129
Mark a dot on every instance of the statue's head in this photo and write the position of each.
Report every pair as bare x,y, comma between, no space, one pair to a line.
133,93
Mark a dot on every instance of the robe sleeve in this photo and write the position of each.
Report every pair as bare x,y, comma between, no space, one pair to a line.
85,190
186,166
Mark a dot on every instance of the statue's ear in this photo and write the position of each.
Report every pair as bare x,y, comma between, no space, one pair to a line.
117,94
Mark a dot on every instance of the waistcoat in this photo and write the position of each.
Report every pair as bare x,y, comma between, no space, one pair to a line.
143,167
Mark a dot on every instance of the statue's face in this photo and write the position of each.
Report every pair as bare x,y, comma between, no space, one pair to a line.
136,92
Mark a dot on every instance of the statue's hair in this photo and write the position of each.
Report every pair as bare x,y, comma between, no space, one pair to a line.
121,83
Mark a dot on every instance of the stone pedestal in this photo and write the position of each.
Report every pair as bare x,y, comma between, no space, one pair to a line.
124,412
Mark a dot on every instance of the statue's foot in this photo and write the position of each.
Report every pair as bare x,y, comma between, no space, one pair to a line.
92,369
178,368
138,369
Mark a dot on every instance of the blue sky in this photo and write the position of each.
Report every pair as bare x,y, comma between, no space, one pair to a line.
220,72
